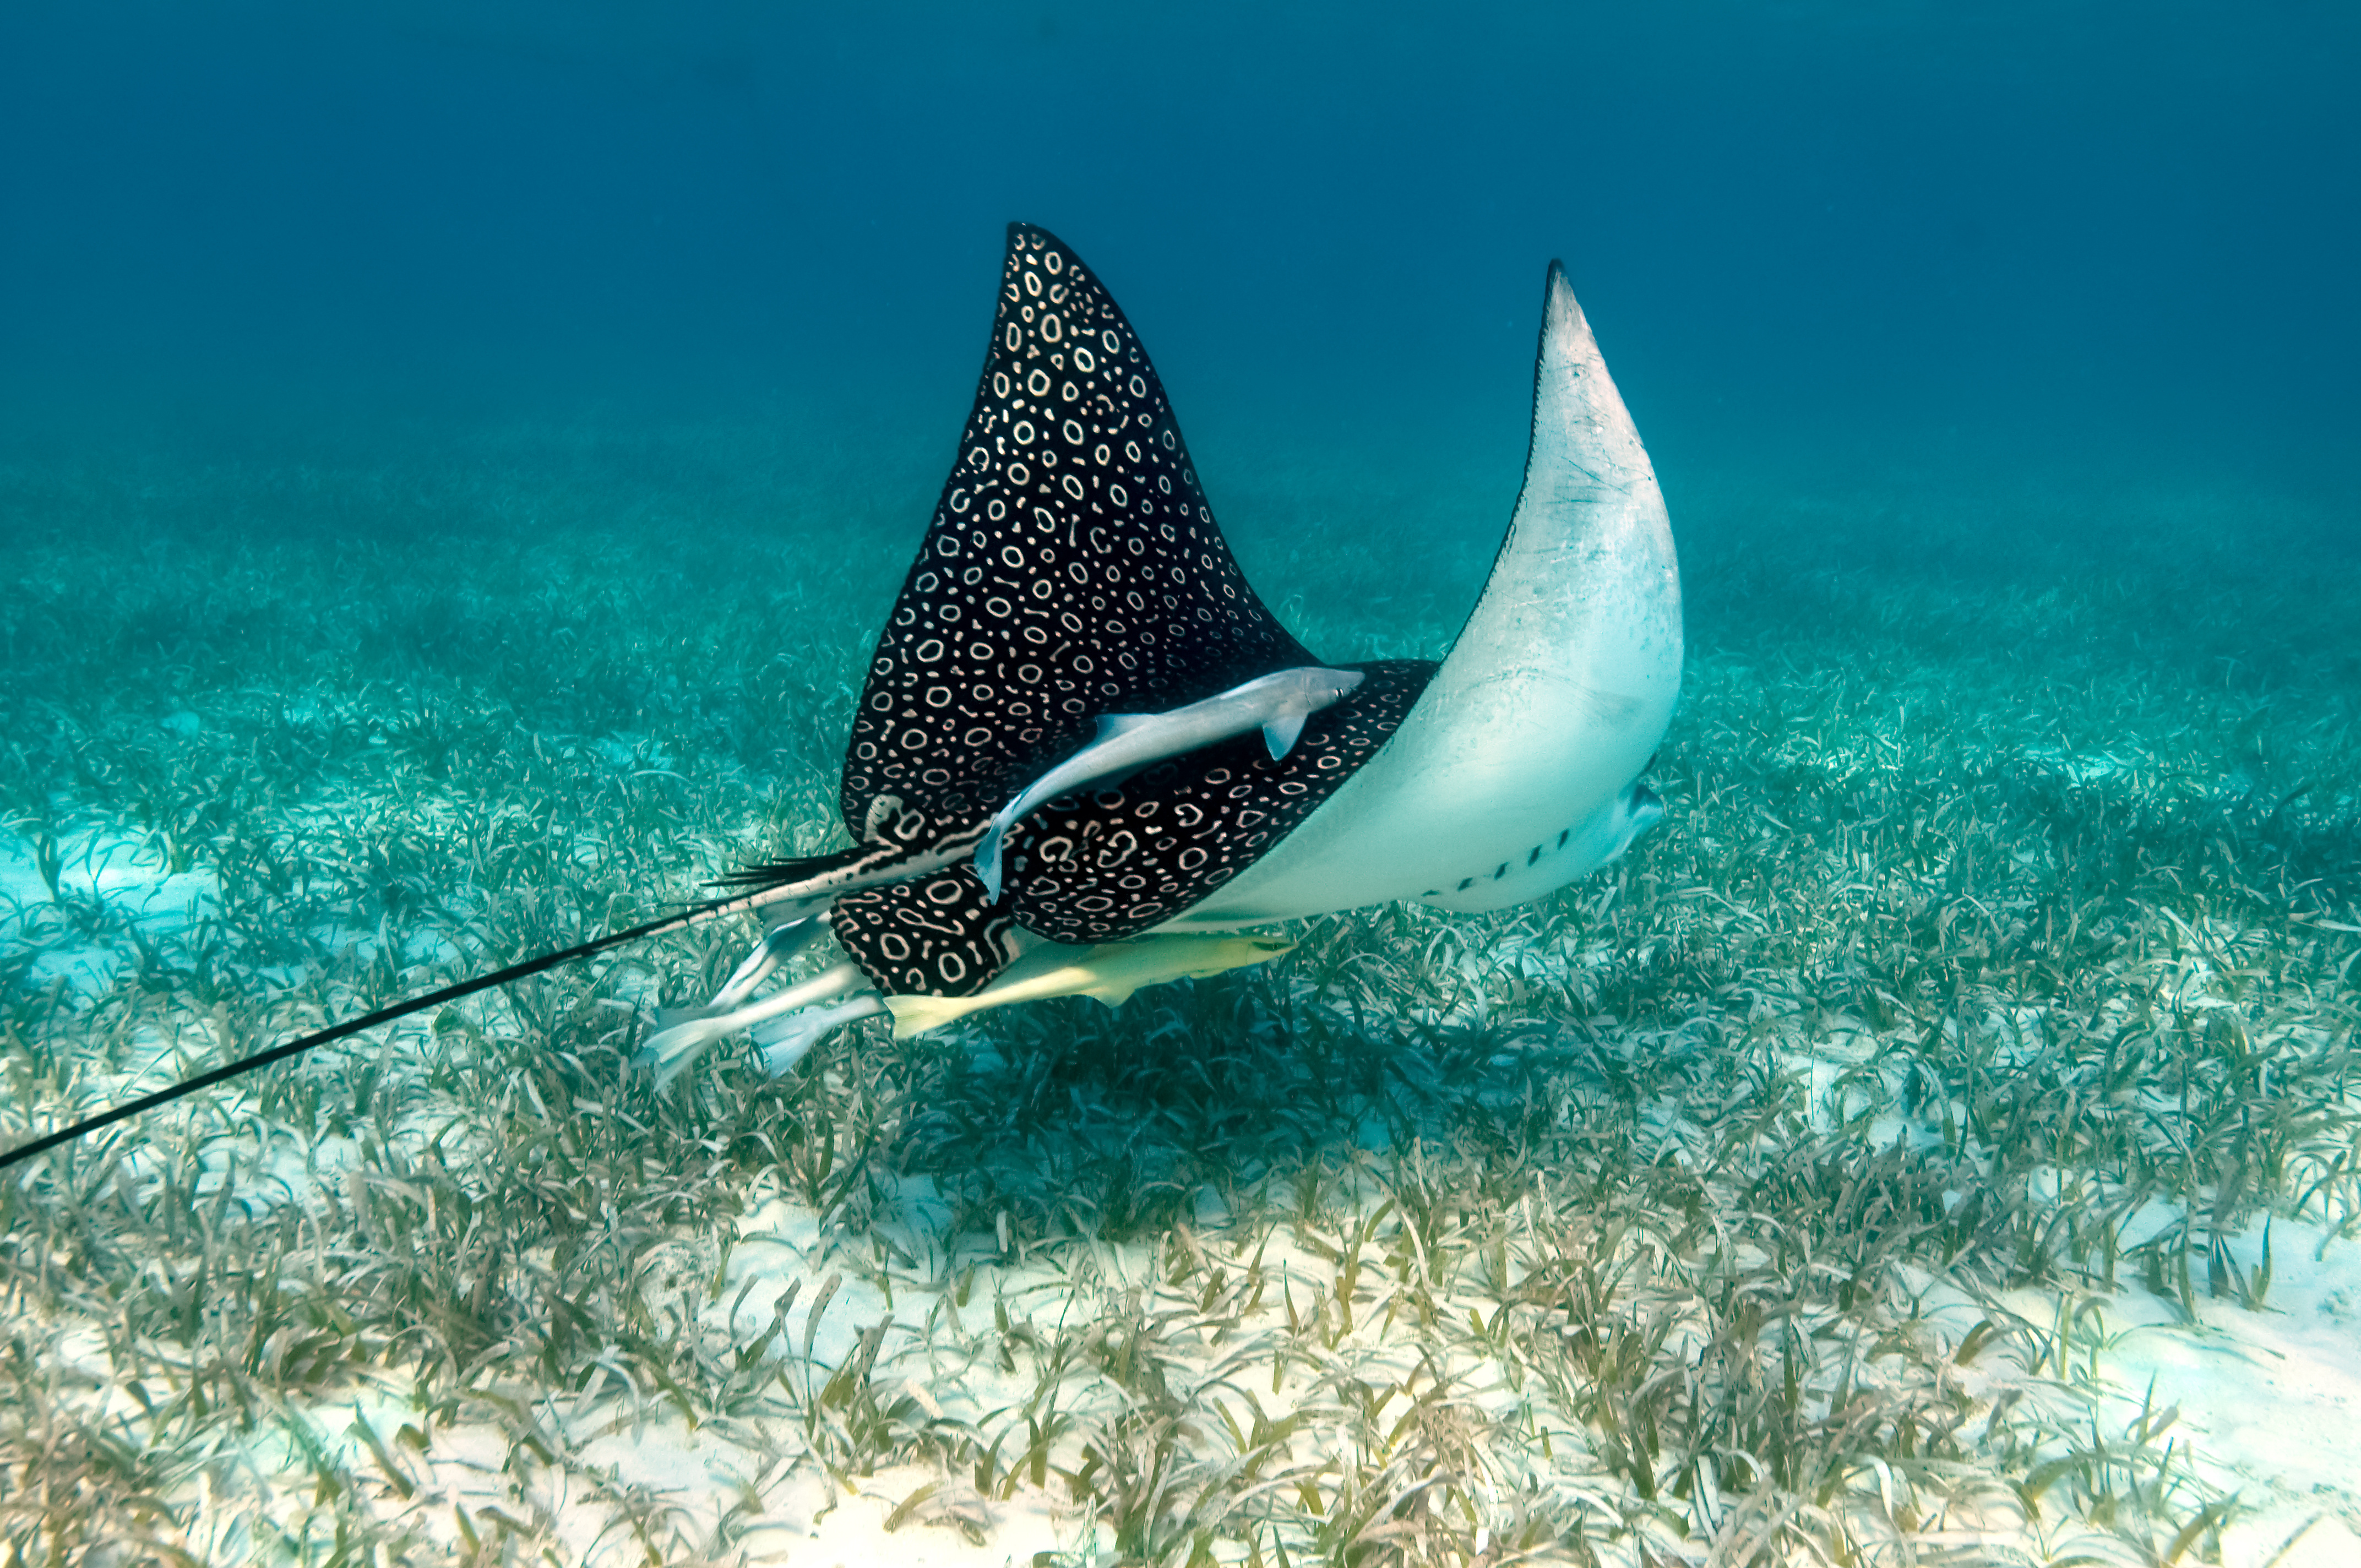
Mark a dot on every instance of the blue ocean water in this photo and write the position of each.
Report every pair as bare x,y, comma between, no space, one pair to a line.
2017,231
453,459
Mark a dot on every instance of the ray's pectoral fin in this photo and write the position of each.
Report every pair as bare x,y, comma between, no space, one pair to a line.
1518,769
1073,568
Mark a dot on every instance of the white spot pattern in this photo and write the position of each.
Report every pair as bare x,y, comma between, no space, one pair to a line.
1072,569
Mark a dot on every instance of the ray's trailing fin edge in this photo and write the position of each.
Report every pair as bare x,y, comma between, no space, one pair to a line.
1085,753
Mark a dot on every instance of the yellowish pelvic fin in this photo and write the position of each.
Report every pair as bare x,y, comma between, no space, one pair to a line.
1111,972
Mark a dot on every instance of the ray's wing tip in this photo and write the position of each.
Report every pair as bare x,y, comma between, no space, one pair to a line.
1560,309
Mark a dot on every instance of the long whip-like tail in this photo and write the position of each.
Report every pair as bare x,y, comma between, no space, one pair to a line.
695,915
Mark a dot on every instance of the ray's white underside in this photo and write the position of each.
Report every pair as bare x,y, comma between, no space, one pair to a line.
1517,772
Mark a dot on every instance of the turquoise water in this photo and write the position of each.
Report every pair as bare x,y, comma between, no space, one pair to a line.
454,467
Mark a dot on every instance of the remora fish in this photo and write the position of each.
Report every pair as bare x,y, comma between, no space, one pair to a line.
1276,704
1109,973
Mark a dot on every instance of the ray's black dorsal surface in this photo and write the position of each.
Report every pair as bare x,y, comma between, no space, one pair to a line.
1108,864
1072,569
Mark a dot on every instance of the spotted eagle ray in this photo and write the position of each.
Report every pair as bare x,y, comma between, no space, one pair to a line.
1072,574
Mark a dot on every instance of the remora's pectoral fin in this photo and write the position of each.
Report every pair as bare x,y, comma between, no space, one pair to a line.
987,859
1281,734
786,1041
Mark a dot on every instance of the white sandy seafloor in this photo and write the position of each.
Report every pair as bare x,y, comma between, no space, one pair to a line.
2269,1401
2262,1402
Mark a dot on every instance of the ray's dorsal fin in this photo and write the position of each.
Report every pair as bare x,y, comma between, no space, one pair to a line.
819,879
1072,566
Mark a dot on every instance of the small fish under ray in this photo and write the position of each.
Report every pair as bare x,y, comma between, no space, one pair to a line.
1108,974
